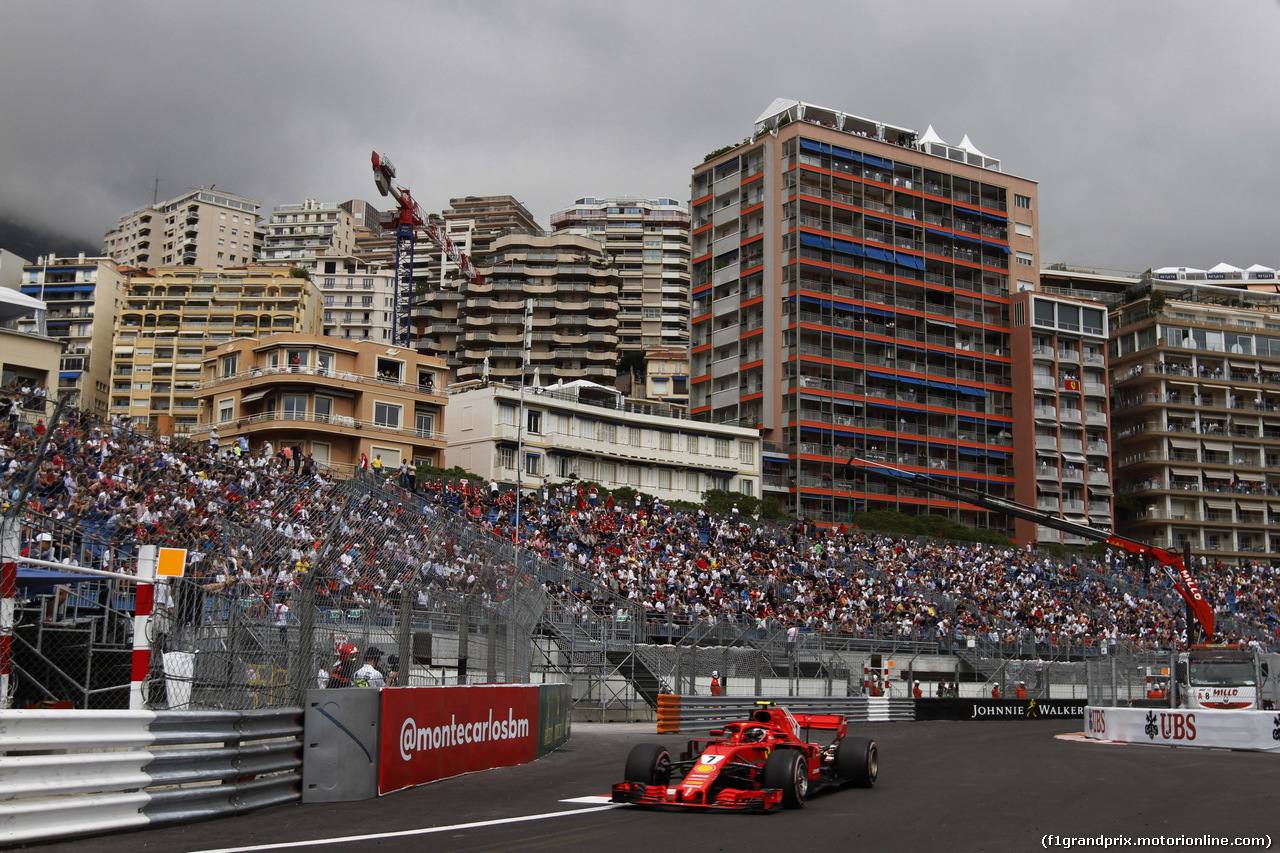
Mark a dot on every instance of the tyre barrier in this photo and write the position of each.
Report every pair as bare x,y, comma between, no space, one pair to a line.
66,773
697,713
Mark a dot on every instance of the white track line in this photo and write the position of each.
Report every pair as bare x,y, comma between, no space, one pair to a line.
319,842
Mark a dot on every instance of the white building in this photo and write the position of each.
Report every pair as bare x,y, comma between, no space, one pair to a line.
301,235
359,298
585,432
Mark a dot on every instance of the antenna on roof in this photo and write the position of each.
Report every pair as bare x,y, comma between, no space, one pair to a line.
155,190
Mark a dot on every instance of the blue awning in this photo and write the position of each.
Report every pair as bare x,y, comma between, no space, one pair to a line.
876,161
878,254
910,380
999,246
815,240
972,392
888,376
966,237
939,233
69,374
810,145
845,153
877,312
941,385
847,248
997,217
909,260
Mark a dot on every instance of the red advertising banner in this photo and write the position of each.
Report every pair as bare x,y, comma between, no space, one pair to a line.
431,733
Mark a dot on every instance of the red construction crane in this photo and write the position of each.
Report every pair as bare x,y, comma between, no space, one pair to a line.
408,219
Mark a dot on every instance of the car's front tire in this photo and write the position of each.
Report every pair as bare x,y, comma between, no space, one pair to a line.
787,770
648,764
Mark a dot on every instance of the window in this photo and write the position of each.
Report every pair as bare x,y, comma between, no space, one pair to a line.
587,429
746,452
609,433
294,407
1022,230
425,424
507,415
633,476
506,457
664,441
229,363
225,411
691,444
664,479
744,486
533,422
633,436
722,448
562,424
328,300
1025,258
324,409
366,301
608,472
533,464
1022,201
324,363
386,415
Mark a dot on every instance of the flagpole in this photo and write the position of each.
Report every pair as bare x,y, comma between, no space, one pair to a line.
524,363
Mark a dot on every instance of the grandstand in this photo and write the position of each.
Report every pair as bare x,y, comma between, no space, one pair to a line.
626,601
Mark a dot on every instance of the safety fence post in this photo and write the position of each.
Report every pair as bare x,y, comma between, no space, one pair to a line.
143,598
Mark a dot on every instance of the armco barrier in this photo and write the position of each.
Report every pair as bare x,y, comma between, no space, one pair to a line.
75,772
1257,731
685,713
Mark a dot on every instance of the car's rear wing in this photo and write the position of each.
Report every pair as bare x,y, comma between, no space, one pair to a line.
822,722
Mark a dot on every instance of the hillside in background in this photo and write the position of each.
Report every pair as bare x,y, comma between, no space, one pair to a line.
30,243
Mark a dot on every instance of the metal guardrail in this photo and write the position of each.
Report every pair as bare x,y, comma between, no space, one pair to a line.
685,713
145,768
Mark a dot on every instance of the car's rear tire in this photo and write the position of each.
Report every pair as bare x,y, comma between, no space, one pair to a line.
787,770
648,764
858,762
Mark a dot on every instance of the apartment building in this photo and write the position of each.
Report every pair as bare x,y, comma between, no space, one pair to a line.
584,432
568,290
201,228
172,317
83,297
1195,374
337,399
1061,429
648,241
851,284
303,235
358,298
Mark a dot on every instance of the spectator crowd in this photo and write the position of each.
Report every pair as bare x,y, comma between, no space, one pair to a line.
258,522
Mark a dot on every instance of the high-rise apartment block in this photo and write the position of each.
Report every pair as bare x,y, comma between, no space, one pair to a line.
299,235
83,296
1195,372
851,285
1061,430
648,241
573,328
201,228
172,317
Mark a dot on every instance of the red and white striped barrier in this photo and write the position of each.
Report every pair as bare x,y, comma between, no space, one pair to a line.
143,599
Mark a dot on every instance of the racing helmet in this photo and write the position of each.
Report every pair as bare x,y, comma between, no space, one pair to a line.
715,673
755,734
346,650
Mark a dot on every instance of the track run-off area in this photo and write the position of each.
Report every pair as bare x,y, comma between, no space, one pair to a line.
981,786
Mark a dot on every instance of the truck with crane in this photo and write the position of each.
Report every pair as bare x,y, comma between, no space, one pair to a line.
1206,675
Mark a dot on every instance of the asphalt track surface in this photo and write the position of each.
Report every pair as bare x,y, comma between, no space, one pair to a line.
996,785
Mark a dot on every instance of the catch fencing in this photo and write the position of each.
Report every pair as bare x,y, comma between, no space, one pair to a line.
1120,680
699,713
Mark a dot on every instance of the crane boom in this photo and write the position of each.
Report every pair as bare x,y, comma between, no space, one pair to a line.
1170,562
409,218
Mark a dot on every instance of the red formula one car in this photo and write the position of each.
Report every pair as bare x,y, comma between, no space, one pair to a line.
759,764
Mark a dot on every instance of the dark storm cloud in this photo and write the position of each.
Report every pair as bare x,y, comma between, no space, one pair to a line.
1145,123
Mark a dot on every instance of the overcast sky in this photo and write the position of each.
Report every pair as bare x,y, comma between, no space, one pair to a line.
1150,126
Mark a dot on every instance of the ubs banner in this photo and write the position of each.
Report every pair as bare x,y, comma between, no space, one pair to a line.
430,733
999,709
